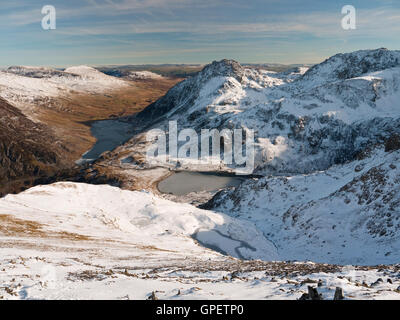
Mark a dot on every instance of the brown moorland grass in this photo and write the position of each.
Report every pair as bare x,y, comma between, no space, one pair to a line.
71,120
12,226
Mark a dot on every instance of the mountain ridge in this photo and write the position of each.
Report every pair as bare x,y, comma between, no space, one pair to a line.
302,122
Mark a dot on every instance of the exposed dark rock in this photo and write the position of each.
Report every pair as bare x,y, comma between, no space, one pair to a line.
377,282
235,275
153,296
311,295
338,294
392,143
28,151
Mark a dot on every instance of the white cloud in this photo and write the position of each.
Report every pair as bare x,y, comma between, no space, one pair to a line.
319,24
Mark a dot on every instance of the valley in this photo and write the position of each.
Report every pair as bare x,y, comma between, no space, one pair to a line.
320,209
66,104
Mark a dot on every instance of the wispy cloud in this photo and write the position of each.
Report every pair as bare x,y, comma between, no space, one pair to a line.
370,22
262,30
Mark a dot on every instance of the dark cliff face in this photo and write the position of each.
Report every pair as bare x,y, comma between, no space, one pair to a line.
28,150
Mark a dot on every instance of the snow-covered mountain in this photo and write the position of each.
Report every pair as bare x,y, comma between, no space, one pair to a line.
38,72
328,189
348,214
303,121
352,65
327,150
28,88
143,75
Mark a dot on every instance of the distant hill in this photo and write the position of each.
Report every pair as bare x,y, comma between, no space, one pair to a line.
184,70
165,70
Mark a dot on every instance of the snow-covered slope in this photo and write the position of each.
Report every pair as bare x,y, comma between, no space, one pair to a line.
352,65
143,75
30,87
348,214
78,241
37,72
89,73
303,121
138,217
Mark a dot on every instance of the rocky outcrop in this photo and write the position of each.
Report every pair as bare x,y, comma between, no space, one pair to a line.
28,151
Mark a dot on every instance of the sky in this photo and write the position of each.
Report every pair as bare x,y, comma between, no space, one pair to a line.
108,32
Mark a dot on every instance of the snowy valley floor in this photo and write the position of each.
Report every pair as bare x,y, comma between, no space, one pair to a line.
78,241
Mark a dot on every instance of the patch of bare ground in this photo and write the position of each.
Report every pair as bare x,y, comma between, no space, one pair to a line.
12,227
132,179
233,268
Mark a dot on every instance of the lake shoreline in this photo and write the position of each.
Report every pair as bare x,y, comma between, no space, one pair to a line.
181,183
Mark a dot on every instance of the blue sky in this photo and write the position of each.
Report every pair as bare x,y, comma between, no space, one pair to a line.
101,32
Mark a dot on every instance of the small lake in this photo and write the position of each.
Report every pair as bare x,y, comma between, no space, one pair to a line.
182,183
109,134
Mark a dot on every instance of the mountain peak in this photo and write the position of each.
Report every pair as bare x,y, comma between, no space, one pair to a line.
186,92
12,68
81,70
87,72
226,62
34,72
224,68
344,66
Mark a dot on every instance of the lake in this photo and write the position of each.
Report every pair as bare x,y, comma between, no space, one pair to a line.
109,134
182,183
